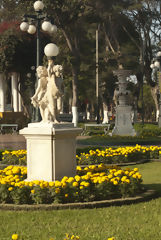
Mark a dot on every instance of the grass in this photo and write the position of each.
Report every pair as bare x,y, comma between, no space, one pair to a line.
119,141
129,222
148,134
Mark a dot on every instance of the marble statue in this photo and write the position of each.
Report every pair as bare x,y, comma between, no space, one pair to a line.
49,91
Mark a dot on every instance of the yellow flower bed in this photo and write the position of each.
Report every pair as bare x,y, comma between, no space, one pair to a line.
90,184
14,157
118,155
67,237
107,156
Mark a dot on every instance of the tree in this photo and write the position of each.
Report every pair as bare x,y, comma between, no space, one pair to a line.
145,15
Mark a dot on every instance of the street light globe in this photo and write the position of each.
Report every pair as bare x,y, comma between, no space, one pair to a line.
152,66
38,6
46,26
53,29
31,29
24,26
159,54
51,50
157,64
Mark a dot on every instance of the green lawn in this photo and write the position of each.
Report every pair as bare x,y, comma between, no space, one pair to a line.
118,141
129,222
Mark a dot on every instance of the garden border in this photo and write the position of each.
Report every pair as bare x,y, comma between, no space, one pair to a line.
145,196
108,164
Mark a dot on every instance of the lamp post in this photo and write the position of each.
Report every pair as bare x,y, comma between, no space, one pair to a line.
156,65
33,24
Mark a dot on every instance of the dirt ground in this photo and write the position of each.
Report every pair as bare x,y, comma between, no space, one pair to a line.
16,141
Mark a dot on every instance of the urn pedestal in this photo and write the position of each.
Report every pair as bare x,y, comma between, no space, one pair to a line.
123,121
51,150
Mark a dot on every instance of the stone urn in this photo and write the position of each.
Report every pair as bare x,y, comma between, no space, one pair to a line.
123,120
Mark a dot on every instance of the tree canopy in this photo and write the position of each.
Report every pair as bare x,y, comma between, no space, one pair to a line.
129,31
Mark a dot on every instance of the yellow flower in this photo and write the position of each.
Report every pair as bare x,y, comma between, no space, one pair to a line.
64,185
127,181
14,236
75,184
66,195
123,179
115,182
71,179
135,169
32,191
87,184
51,184
110,176
57,184
67,235
79,168
10,188
57,190
77,178
86,177
112,238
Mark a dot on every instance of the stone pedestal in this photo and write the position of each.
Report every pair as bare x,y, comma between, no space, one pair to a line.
14,85
123,123
2,95
51,150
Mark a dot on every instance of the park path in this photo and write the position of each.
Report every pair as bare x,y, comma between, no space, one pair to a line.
16,141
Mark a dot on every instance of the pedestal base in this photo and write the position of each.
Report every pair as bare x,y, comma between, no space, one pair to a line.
123,122
51,150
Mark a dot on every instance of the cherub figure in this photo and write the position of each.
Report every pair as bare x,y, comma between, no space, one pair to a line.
54,89
49,92
39,99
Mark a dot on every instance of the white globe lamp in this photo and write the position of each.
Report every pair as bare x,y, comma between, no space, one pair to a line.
24,26
53,29
31,29
152,66
159,54
38,6
157,64
51,50
46,26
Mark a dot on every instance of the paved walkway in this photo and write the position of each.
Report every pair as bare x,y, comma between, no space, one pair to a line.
12,142
16,141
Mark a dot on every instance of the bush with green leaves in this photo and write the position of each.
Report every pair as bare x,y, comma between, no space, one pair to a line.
93,183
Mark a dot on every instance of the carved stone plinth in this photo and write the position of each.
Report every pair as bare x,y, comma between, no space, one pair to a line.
123,121
51,150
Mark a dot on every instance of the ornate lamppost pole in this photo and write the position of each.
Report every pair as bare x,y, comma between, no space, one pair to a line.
156,66
33,24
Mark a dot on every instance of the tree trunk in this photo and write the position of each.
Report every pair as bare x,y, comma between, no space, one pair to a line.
75,95
105,113
154,93
75,63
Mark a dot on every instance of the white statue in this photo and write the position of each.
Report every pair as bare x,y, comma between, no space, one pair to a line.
39,99
49,91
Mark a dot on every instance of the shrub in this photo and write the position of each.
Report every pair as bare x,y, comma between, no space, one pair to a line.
118,155
14,157
91,183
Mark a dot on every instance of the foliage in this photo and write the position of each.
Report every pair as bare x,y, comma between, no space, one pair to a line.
148,130
67,237
86,222
14,157
119,155
94,155
149,105
90,184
